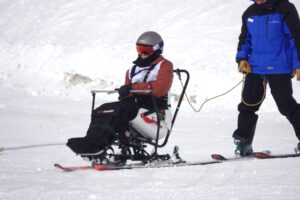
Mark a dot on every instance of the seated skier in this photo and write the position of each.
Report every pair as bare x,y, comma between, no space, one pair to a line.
150,71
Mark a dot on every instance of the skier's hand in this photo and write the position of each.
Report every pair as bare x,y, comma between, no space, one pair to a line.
297,74
244,67
124,90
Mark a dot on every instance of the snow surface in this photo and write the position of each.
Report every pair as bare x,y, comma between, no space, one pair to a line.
52,53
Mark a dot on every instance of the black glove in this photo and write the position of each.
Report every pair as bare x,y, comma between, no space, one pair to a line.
124,90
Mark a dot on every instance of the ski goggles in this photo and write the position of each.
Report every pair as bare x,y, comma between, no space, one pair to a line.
144,49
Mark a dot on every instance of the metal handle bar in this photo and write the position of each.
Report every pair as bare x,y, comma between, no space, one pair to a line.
116,90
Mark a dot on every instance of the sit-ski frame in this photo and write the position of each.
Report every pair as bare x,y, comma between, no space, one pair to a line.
149,92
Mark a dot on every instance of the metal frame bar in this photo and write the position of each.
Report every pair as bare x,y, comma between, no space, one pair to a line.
149,92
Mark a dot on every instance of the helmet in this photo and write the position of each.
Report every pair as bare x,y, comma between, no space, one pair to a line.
150,38
153,39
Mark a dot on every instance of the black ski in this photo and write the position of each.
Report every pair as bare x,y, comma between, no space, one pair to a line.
259,155
262,155
159,164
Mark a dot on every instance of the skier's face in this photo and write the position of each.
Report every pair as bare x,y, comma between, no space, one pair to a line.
143,56
144,51
260,2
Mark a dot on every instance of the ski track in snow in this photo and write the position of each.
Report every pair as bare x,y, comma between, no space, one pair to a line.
43,45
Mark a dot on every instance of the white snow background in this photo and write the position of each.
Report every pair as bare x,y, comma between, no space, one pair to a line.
52,53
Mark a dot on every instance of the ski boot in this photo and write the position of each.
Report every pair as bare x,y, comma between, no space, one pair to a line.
297,149
243,148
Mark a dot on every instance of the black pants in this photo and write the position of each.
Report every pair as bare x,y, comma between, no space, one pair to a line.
282,92
107,120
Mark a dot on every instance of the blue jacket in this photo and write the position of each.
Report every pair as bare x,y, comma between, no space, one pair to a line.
270,39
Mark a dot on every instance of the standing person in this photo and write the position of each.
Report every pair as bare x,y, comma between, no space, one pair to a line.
150,71
268,52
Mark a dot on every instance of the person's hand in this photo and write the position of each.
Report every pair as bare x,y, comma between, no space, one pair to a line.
124,90
297,74
244,67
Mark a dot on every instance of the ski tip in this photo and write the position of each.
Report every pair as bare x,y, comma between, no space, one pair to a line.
64,169
218,157
2,149
58,166
72,168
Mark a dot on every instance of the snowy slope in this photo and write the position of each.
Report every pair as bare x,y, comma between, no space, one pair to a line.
52,53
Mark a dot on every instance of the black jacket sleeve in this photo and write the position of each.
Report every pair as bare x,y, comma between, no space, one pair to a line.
293,22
